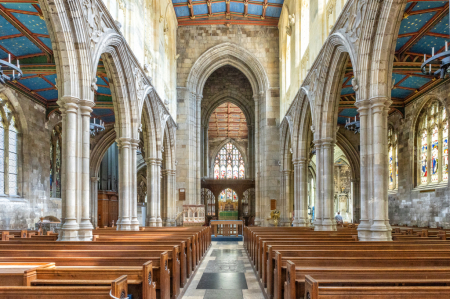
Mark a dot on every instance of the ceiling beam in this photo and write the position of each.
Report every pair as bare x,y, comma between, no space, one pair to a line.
265,4
271,23
25,31
245,8
208,2
423,31
228,10
191,9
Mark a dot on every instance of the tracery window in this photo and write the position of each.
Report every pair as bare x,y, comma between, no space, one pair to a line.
229,163
432,130
393,160
55,162
8,150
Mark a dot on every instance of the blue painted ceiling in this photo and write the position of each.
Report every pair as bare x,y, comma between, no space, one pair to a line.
245,12
24,35
424,25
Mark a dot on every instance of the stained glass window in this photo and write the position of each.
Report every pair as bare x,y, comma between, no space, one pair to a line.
229,163
433,130
9,150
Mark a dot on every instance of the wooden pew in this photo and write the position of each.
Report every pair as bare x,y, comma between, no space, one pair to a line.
181,253
277,277
314,290
295,281
117,289
160,266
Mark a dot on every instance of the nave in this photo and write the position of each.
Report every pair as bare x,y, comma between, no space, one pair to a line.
225,272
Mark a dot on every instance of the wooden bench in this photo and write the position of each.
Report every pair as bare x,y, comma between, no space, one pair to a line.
117,289
160,267
295,278
314,290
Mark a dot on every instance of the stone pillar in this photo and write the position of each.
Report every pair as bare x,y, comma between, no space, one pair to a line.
94,201
318,203
301,193
257,175
62,109
153,192
69,229
158,186
250,153
85,231
285,195
381,230
133,185
170,198
365,186
124,221
328,222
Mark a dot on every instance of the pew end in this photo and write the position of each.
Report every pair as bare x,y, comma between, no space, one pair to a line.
311,288
119,287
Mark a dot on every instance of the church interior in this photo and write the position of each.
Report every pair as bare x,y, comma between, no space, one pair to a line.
272,149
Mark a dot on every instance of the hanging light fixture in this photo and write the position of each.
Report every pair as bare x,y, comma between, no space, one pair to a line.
8,66
352,125
97,126
443,59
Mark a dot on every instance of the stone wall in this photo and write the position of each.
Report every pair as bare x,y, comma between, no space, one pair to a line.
34,166
411,205
262,43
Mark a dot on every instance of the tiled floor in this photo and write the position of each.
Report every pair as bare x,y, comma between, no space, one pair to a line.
225,273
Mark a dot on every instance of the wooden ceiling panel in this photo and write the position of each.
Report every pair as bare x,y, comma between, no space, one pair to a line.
228,120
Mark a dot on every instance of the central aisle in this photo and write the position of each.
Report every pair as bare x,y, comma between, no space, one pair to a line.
225,273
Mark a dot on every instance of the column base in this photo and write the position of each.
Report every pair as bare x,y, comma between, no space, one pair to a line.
85,231
325,225
151,222
170,223
134,224
69,231
257,221
159,222
364,233
124,224
301,223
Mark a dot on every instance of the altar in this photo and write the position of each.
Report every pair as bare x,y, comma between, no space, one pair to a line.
227,227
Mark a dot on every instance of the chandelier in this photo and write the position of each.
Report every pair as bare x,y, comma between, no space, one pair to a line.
97,126
352,125
8,66
443,59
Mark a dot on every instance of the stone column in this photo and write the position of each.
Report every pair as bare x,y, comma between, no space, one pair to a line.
285,190
158,186
328,222
94,201
62,109
318,203
124,221
69,230
85,232
133,186
171,202
257,175
163,196
250,153
364,119
381,230
151,192
301,193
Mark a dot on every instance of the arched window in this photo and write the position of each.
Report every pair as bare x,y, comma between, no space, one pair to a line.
229,163
432,130
393,161
8,150
55,162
